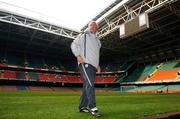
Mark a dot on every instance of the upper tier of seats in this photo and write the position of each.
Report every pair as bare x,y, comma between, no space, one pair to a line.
36,61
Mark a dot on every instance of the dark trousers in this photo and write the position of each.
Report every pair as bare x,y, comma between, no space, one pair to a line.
88,74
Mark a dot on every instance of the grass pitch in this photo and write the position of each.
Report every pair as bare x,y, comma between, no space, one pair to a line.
59,105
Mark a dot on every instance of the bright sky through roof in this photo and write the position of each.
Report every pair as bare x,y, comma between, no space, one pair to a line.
72,14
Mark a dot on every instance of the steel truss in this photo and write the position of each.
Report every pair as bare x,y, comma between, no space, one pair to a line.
35,24
130,13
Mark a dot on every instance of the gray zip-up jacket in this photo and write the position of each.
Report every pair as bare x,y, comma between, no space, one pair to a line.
93,46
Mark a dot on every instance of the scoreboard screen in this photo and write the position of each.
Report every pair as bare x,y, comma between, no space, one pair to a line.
134,26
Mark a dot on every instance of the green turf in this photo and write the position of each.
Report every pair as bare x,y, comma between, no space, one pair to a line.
58,105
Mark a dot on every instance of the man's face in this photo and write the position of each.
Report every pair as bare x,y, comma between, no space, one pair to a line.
93,27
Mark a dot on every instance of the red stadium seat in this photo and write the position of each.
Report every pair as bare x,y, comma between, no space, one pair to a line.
9,74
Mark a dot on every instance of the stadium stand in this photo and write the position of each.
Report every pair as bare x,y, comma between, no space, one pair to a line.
42,76
104,79
53,63
168,71
15,58
112,67
151,72
164,75
32,66
35,61
20,75
33,76
39,72
154,72
148,59
70,66
151,78
9,74
137,73
140,73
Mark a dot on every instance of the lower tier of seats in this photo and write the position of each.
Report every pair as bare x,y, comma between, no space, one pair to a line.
19,75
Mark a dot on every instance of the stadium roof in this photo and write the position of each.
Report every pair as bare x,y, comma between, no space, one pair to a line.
161,40
67,13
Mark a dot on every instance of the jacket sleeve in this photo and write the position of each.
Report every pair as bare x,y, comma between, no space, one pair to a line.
100,45
76,45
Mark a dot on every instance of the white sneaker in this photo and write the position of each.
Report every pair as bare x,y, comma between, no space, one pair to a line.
94,111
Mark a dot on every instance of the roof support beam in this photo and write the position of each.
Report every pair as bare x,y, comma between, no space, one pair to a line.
128,14
38,25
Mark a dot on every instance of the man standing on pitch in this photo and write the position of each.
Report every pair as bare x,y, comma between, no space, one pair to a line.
86,48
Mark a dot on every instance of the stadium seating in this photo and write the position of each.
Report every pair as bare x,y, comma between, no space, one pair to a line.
125,66
164,75
33,76
63,78
154,72
20,75
104,79
112,67
109,79
53,63
99,79
73,79
15,59
35,61
42,77
119,78
70,66
170,65
137,74
9,74
18,60
151,72
168,71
